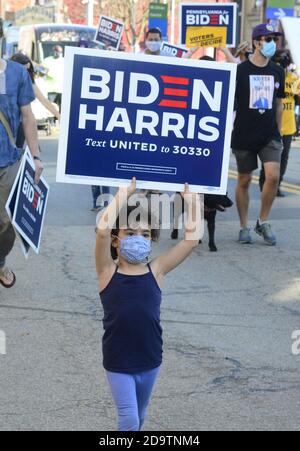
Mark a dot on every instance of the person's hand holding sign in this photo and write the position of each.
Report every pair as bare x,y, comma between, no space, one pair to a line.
191,199
39,167
191,52
128,190
193,205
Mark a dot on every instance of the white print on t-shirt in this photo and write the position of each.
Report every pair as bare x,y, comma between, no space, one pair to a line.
261,92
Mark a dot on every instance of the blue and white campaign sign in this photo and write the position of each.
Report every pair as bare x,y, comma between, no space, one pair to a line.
27,205
109,32
209,15
172,50
166,121
10,208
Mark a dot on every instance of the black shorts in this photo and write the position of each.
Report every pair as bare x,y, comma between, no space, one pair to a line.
247,160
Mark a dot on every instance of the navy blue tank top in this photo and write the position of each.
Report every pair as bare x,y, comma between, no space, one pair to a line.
132,340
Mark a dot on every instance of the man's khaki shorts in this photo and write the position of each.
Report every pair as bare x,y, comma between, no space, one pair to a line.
7,178
247,160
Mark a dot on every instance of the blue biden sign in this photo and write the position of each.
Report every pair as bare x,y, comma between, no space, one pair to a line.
209,15
26,205
165,121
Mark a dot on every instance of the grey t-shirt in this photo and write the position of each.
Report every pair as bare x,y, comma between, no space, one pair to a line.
16,91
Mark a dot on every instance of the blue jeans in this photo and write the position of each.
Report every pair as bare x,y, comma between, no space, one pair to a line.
132,394
96,191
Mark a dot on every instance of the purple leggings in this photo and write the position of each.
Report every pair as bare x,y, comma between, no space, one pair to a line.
132,394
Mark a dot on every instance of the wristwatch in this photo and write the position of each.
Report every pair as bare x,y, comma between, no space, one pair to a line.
37,158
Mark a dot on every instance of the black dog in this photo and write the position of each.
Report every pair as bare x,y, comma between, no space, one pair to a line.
212,204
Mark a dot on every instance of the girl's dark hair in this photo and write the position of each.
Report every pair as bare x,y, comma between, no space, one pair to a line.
155,231
23,59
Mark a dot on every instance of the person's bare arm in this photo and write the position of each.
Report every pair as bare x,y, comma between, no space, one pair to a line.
176,255
45,102
228,55
279,111
31,135
105,225
190,52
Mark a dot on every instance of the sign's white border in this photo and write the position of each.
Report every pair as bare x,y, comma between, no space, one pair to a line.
12,191
209,5
61,175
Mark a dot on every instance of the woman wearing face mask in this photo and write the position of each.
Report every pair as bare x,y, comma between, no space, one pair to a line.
260,90
283,58
130,291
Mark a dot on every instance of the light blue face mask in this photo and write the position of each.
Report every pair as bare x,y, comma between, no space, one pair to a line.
153,46
135,249
269,49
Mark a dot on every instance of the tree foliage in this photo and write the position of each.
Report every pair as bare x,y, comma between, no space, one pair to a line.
134,14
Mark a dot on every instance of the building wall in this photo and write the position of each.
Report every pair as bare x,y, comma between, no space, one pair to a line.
8,7
251,16
15,5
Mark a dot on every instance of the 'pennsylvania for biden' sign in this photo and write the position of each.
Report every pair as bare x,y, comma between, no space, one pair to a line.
166,121
222,15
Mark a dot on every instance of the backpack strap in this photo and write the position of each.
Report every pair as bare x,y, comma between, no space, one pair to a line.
6,125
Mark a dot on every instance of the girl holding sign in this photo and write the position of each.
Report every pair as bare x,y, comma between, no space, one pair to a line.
130,291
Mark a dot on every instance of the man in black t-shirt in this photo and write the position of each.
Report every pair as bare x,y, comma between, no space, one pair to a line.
259,93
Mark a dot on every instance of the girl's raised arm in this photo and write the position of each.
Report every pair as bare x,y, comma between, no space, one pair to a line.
172,258
105,225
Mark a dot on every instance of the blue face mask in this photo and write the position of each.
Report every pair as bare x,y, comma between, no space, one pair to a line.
153,46
268,49
135,249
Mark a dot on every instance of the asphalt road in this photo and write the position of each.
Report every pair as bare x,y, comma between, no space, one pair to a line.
228,319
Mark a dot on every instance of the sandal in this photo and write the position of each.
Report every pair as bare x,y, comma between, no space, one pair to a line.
5,273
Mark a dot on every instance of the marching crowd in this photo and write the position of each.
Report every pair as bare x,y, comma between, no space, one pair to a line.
266,90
